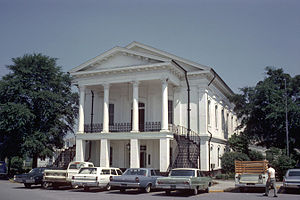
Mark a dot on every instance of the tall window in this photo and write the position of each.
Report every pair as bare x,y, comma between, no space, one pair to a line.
223,120
216,116
218,156
111,114
208,112
110,156
231,124
170,112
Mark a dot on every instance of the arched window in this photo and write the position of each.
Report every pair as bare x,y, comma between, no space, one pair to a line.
218,156
223,119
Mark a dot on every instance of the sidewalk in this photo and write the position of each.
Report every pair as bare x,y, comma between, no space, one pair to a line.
229,185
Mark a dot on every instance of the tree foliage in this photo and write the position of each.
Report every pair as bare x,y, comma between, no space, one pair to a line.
239,143
37,107
262,109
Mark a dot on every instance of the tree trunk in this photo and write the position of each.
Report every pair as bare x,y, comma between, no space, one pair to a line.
34,161
8,166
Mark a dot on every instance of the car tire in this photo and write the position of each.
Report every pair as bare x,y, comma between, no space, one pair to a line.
27,185
194,191
86,189
168,192
122,190
45,185
147,189
206,190
108,187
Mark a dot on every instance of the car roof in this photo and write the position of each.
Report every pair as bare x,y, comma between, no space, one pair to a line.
294,170
184,169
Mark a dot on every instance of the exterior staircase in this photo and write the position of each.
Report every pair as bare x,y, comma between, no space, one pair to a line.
187,152
65,156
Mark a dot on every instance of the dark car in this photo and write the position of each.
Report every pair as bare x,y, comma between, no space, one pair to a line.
3,169
34,177
136,178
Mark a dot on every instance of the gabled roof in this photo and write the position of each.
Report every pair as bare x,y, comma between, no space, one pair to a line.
154,51
112,52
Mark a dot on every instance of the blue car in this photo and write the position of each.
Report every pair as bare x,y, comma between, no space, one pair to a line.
3,169
136,178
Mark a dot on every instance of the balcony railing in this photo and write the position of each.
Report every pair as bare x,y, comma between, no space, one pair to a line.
123,127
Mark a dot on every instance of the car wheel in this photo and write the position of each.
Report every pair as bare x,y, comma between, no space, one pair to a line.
194,191
45,185
108,187
147,189
86,188
206,190
241,189
27,185
168,192
122,190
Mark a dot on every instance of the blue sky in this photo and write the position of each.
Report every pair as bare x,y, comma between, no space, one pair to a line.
238,38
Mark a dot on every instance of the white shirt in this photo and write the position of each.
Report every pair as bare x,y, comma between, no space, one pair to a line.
271,171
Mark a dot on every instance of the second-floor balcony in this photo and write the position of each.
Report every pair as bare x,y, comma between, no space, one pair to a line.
123,127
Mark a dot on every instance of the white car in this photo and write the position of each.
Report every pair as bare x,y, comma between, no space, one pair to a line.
95,177
292,179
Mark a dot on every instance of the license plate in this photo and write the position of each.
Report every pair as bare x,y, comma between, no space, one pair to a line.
29,181
173,186
250,184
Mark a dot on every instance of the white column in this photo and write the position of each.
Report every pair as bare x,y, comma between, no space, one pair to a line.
80,150
81,109
134,153
164,154
105,109
164,106
135,107
204,162
104,153
203,111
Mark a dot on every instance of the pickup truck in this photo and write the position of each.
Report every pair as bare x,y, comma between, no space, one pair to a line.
187,179
250,174
56,178
95,177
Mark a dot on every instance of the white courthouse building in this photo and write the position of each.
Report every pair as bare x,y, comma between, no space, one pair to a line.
143,107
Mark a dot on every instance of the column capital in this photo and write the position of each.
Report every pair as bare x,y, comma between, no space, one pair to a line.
135,83
202,89
164,80
106,85
81,87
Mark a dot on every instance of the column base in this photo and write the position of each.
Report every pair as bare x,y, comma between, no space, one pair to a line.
104,132
164,130
133,131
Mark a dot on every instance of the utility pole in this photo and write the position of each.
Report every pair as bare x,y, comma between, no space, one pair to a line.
286,121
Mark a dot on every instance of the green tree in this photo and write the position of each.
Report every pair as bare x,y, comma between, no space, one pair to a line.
262,109
37,106
239,143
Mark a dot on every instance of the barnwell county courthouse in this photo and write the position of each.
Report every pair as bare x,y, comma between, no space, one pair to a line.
143,107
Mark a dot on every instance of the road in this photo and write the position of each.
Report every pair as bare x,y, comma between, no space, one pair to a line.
15,191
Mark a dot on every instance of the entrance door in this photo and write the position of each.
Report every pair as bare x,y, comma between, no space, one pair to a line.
143,156
141,117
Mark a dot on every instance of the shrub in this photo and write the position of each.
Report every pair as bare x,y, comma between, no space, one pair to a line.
228,159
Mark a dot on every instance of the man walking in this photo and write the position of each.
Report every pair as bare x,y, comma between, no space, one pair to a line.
271,182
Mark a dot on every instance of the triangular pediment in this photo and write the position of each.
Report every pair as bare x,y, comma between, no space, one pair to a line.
186,64
118,57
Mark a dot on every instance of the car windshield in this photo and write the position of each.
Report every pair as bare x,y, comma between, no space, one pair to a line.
182,173
141,172
294,173
35,170
88,171
76,166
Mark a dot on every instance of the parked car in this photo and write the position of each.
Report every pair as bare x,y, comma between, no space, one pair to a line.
34,177
94,177
188,179
59,177
136,178
3,169
292,179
